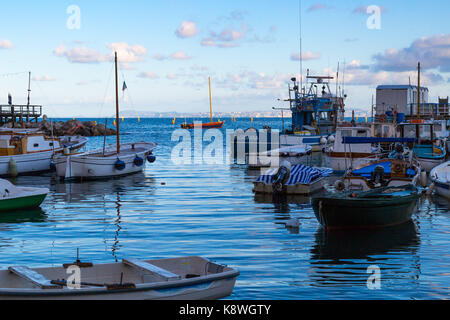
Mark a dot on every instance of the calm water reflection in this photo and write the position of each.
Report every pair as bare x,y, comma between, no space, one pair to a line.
205,210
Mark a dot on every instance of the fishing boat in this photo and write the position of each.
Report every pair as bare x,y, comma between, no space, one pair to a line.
298,180
187,278
294,155
346,153
314,114
210,125
440,176
17,198
112,161
383,173
30,151
380,207
425,150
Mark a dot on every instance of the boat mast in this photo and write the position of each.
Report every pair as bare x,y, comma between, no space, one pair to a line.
418,94
210,99
29,88
117,105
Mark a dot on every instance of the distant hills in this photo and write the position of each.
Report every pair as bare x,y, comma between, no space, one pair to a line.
242,114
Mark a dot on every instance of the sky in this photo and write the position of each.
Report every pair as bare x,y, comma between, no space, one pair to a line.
250,49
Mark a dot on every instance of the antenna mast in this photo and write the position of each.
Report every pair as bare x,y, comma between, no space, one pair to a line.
301,54
29,88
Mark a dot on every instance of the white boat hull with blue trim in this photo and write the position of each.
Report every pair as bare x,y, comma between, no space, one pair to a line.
105,163
314,141
441,179
187,278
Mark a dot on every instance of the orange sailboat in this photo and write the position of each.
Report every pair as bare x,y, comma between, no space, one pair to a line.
210,125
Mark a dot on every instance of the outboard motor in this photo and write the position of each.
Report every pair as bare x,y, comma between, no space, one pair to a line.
281,177
378,176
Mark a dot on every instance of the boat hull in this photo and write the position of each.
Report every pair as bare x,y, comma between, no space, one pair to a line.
86,166
295,140
335,213
298,189
342,163
212,125
206,290
429,164
28,202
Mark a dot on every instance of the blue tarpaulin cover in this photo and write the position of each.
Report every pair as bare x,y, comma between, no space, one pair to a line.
299,174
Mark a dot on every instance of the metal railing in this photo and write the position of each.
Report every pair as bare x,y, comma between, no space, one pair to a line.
21,110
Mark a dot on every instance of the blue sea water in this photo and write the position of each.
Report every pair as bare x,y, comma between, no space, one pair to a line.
209,210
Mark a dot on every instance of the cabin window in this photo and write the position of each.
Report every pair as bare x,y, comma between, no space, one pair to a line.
51,144
36,145
347,133
362,133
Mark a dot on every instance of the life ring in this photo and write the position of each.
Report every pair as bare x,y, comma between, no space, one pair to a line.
398,168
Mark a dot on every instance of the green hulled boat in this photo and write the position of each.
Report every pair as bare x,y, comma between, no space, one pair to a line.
17,198
377,208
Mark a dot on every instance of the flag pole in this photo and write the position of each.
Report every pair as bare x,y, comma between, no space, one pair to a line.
210,99
117,106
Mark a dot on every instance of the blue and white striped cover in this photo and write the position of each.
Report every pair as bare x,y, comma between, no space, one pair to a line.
300,174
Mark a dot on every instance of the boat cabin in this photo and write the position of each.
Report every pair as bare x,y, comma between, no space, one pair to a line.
360,132
12,143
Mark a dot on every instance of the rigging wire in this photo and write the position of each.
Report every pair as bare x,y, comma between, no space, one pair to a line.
301,48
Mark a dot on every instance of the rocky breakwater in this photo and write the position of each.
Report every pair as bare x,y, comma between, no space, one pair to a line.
71,128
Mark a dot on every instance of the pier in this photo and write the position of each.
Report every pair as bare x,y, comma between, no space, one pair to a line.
19,113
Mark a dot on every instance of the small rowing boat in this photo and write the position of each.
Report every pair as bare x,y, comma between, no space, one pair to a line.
381,207
188,278
440,176
17,198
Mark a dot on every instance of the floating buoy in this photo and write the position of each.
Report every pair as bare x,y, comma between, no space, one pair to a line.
163,183
138,161
52,166
12,168
139,119
331,139
423,179
123,119
323,140
293,223
114,123
119,165
151,158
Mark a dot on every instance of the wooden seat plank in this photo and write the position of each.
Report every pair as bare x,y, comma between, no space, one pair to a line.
145,266
34,277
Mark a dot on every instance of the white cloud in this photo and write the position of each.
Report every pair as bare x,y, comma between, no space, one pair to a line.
187,29
433,52
227,38
172,76
306,56
43,78
80,54
5,44
180,55
126,53
148,75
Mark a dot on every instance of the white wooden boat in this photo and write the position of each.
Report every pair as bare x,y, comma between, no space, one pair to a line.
114,161
98,164
188,278
341,156
295,180
293,154
30,152
17,198
440,176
